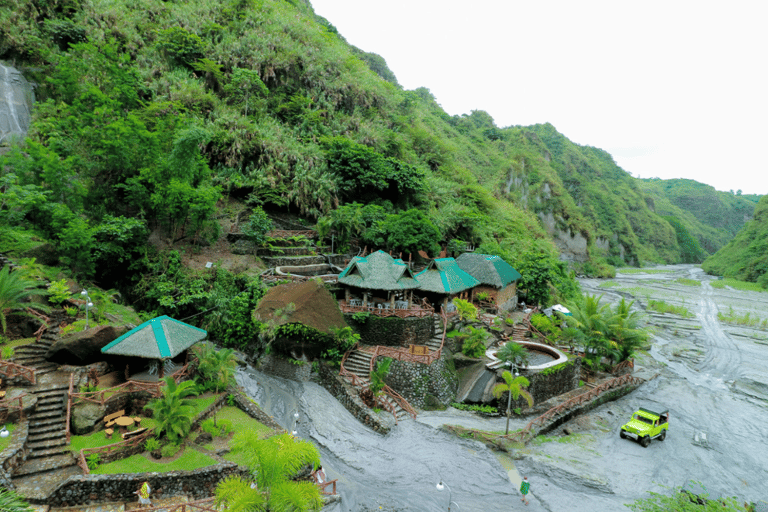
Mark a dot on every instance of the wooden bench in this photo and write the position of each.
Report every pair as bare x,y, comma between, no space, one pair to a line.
109,419
135,433
323,485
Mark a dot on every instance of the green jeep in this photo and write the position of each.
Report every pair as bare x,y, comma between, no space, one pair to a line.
646,425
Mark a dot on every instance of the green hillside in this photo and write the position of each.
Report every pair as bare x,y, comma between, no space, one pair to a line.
153,116
746,256
713,217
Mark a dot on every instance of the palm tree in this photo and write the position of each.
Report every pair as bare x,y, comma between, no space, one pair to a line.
14,289
173,411
11,501
217,368
624,329
514,386
513,353
273,462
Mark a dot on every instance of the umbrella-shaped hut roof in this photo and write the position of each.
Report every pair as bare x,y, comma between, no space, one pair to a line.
444,276
490,270
160,338
379,271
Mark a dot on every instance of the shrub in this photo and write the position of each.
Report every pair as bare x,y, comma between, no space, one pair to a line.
170,449
93,461
59,292
474,345
151,444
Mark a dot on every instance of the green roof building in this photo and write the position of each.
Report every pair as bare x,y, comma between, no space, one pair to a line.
378,278
444,277
498,279
160,339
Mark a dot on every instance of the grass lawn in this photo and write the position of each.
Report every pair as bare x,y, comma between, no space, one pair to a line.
97,439
5,441
738,285
187,461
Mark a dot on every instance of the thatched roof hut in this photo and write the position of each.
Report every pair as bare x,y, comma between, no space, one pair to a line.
489,270
159,339
378,271
308,303
443,276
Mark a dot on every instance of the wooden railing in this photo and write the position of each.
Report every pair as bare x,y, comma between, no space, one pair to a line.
7,404
10,370
82,460
418,311
69,404
205,505
525,435
132,386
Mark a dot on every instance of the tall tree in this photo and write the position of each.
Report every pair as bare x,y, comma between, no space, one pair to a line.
217,368
514,386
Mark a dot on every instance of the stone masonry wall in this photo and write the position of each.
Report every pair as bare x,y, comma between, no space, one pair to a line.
425,386
348,397
15,454
392,331
548,383
286,369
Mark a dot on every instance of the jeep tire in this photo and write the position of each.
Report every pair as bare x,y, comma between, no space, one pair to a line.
622,434
645,441
663,435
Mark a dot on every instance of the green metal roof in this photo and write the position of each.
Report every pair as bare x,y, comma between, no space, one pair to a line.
444,276
160,338
490,270
378,271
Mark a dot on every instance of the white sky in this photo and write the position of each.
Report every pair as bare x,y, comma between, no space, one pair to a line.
671,89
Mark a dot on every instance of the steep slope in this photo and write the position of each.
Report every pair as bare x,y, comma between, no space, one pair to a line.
746,256
712,216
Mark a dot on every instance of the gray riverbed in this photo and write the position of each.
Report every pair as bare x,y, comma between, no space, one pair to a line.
710,376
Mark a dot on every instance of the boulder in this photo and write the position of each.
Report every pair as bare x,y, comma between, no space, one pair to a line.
85,416
84,347
204,438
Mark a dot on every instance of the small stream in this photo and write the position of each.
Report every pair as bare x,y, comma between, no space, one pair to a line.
394,472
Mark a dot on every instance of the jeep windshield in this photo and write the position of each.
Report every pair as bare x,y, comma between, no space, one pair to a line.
643,419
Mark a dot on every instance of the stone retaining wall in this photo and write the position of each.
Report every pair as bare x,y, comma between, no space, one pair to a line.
547,383
392,331
348,397
425,386
87,489
285,368
15,454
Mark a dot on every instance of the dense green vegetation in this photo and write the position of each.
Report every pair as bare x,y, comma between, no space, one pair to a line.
151,116
745,258
711,216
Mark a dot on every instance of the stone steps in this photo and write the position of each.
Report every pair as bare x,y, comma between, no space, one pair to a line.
37,486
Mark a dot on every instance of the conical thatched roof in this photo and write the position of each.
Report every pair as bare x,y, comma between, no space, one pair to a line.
489,270
445,277
378,271
312,305
159,338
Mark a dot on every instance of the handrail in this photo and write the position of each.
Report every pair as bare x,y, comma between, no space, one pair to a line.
69,403
10,370
419,312
5,403
402,402
525,434
82,462
131,386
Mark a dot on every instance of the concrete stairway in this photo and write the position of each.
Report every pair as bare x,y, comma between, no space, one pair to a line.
359,363
437,338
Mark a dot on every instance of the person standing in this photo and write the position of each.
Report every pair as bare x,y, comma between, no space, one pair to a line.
143,493
524,487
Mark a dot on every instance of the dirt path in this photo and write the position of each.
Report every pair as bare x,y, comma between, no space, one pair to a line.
711,382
